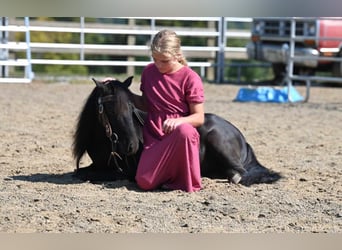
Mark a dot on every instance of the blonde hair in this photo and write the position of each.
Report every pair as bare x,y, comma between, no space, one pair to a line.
167,42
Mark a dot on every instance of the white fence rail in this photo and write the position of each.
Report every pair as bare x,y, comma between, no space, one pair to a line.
292,58
208,58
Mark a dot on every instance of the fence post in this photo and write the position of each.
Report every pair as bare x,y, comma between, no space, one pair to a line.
211,42
131,41
220,54
290,58
4,52
28,68
82,38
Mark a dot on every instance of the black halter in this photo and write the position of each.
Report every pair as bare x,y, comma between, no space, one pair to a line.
111,135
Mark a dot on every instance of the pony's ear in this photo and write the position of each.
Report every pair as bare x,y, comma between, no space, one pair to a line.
128,81
98,83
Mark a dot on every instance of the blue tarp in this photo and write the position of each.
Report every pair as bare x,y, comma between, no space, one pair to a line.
267,94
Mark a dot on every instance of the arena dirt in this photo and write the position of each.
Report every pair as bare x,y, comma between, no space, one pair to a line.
301,141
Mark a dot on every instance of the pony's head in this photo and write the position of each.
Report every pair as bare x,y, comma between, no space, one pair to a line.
116,113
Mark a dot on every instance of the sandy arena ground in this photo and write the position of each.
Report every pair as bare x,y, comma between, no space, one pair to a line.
38,193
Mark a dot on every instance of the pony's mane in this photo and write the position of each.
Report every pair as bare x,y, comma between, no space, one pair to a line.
85,125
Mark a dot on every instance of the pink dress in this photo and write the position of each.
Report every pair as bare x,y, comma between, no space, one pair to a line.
171,160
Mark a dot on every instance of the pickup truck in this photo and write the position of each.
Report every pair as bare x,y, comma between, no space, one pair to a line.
270,42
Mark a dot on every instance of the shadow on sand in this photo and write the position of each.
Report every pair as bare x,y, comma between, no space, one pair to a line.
70,178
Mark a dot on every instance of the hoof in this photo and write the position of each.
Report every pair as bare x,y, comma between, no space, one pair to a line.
236,178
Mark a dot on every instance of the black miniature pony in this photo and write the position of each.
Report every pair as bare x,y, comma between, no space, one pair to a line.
109,129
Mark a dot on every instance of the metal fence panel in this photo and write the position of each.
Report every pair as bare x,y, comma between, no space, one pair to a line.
214,53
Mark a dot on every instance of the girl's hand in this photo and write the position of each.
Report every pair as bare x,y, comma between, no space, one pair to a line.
107,79
170,124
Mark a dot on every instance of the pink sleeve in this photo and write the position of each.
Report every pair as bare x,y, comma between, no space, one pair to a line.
194,89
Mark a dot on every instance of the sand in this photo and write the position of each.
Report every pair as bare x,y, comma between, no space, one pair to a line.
302,141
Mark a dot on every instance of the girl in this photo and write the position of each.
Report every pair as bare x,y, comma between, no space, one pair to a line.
173,96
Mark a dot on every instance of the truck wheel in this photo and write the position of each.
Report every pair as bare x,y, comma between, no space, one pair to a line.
279,72
337,67
303,71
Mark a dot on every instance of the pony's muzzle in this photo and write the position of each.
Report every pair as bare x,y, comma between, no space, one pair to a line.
132,148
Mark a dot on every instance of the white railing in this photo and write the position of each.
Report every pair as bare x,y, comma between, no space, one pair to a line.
213,54
292,58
